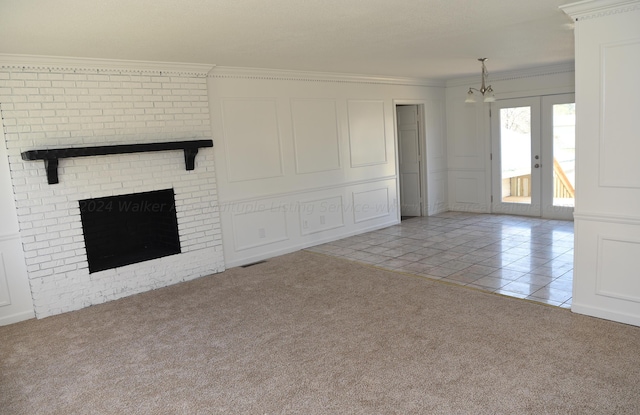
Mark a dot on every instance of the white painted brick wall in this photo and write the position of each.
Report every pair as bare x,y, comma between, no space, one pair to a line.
50,108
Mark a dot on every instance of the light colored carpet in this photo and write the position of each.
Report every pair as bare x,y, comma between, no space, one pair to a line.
310,334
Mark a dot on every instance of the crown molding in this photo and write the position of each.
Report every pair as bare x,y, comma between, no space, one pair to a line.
308,76
66,64
593,9
567,67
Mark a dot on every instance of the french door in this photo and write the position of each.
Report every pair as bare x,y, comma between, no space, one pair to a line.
533,156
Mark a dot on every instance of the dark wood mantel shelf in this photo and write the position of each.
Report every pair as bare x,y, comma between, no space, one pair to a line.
51,156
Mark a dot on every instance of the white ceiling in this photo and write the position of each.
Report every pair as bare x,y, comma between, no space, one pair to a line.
438,39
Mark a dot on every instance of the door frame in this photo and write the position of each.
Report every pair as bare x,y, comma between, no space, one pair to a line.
422,144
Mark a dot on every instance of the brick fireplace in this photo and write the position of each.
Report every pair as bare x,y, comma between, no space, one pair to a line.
84,104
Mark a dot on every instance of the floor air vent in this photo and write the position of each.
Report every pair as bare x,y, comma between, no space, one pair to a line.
252,264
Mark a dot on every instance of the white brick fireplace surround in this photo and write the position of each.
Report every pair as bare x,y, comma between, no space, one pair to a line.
80,103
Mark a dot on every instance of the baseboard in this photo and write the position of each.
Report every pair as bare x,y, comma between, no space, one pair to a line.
468,208
16,318
606,314
288,249
441,209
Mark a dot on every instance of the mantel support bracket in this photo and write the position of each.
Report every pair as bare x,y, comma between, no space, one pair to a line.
190,158
51,166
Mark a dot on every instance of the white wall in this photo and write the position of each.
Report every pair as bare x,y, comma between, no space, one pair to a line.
607,214
469,128
305,158
74,103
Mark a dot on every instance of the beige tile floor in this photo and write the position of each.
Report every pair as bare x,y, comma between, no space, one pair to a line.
511,255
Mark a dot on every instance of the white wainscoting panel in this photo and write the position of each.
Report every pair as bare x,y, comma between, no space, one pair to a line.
370,204
437,190
252,139
321,215
436,139
336,137
468,133
619,144
259,228
617,277
5,295
466,190
16,303
367,138
606,277
315,135
465,131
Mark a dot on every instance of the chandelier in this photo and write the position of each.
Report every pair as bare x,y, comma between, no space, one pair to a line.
486,91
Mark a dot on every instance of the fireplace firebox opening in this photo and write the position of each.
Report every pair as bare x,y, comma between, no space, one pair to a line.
127,229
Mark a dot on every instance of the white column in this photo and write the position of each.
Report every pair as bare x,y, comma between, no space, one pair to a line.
607,214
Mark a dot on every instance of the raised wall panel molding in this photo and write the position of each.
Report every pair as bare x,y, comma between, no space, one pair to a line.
619,85
466,136
258,228
252,139
466,169
5,295
585,10
9,236
283,75
437,197
445,170
370,204
319,215
616,277
305,190
466,190
367,133
63,64
607,218
316,137
435,127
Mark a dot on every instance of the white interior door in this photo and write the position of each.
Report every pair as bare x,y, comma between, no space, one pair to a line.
516,157
409,160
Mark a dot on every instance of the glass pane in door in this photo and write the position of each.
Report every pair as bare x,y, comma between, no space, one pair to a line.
564,154
515,148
